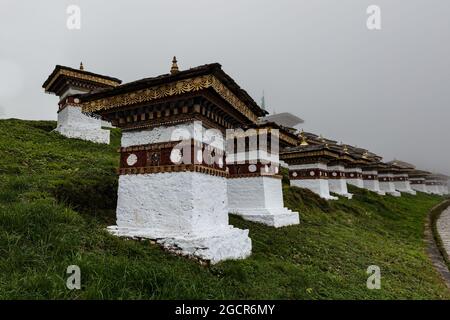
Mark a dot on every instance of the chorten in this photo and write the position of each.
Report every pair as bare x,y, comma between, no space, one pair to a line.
337,179
254,182
370,173
386,179
417,180
173,175
66,82
308,166
442,183
401,178
354,171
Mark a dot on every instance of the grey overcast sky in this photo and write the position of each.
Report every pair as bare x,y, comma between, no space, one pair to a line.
385,90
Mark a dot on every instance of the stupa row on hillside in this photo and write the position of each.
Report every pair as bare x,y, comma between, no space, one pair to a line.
195,147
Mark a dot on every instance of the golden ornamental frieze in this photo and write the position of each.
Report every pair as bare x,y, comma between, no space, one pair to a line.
168,90
293,155
82,76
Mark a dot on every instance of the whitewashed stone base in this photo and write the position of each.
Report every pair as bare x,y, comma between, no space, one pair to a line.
404,187
260,199
339,186
227,244
389,188
356,182
443,190
184,211
419,187
433,189
318,186
72,123
373,185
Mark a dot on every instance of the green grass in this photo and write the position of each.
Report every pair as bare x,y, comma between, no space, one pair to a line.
58,195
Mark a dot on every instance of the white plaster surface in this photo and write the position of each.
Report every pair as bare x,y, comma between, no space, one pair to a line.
404,186
419,187
443,189
356,182
373,184
338,186
433,189
260,199
318,186
184,211
72,123
192,130
321,166
388,186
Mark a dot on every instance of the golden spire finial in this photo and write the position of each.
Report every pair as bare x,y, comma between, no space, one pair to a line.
174,68
304,141
81,66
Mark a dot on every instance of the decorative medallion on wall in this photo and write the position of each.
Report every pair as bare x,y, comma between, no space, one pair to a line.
132,159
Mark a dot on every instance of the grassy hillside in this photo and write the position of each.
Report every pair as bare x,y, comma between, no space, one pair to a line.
58,195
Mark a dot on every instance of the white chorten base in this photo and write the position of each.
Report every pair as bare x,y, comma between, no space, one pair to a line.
337,182
404,187
443,190
260,199
356,182
389,188
339,186
186,212
421,187
72,123
433,189
353,178
373,185
318,186
225,244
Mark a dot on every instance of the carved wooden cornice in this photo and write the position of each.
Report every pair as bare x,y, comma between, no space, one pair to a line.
168,90
81,76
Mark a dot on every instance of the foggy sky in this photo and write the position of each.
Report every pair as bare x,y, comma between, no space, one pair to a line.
385,90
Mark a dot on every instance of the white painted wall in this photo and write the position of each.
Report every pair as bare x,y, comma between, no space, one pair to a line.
403,186
192,130
260,199
319,186
186,212
388,186
72,123
338,186
355,181
372,185
173,204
